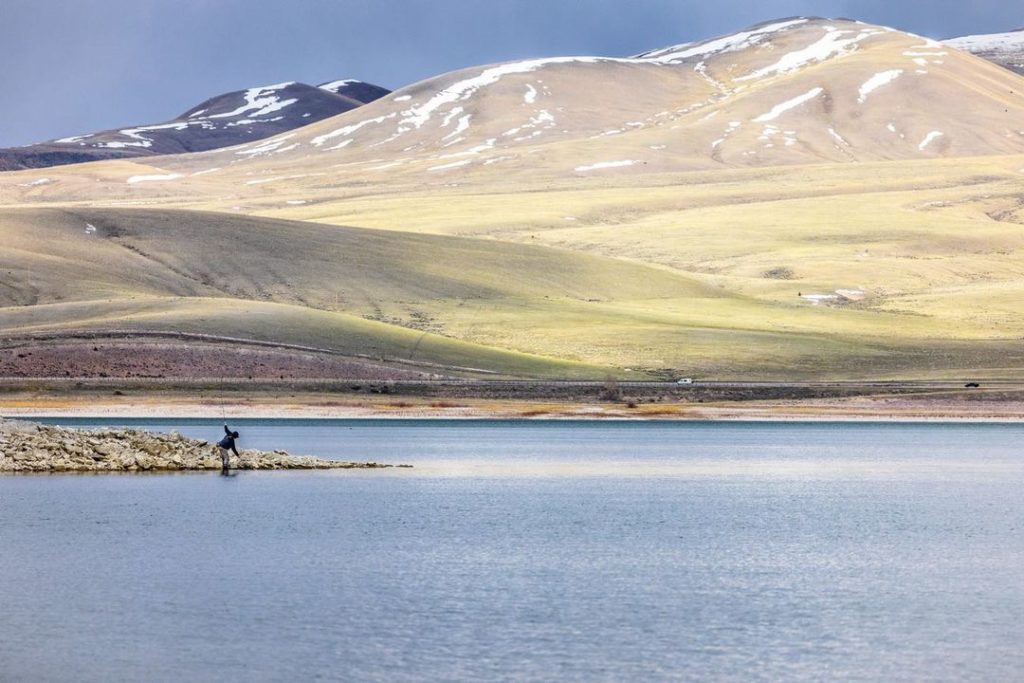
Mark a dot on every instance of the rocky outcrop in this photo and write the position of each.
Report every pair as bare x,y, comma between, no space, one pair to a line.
29,447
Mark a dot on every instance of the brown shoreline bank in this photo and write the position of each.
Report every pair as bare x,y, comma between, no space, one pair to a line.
30,447
1002,402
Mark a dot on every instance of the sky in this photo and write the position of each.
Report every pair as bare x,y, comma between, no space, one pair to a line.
75,66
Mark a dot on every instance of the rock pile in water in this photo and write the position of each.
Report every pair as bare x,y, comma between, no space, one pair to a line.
29,447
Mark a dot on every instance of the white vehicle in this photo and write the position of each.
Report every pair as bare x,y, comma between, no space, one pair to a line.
684,380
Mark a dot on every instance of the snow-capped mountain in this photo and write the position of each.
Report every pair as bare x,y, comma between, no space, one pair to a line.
358,90
1005,49
792,91
221,121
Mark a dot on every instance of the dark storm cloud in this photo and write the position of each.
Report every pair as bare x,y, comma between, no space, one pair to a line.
72,66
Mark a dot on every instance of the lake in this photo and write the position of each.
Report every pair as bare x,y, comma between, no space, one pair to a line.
557,550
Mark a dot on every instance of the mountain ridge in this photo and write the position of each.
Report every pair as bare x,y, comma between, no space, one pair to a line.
1005,49
220,121
787,92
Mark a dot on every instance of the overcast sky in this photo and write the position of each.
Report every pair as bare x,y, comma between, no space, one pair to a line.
74,66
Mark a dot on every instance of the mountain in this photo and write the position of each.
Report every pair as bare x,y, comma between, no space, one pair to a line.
795,91
806,198
1005,49
357,90
221,121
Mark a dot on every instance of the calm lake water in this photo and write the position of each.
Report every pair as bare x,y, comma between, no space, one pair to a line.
530,551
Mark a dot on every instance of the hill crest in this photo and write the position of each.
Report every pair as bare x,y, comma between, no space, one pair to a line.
221,121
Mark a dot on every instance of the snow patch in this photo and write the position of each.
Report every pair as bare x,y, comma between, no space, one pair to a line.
544,116
247,122
992,44
153,177
531,94
462,90
451,115
837,137
454,164
529,136
606,164
36,183
261,101
335,86
730,43
267,147
461,127
75,138
780,109
876,82
140,140
832,44
348,130
260,181
928,139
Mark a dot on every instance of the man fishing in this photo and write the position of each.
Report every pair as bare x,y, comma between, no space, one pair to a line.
227,446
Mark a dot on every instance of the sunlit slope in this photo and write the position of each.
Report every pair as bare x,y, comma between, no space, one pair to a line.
82,254
280,324
110,259
513,309
936,238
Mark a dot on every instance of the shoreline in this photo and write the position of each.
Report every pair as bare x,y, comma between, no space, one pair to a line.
28,447
882,409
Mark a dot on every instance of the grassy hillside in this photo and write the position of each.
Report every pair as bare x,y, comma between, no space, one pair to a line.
284,325
449,301
907,233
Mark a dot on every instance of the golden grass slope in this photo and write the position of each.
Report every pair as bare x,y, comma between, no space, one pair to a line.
286,326
88,269
496,306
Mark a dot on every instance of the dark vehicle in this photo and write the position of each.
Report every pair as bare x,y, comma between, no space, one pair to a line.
972,385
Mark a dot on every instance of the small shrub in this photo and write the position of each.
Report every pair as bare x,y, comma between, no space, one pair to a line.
779,273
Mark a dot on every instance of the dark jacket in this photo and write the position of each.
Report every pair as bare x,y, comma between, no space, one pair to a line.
228,441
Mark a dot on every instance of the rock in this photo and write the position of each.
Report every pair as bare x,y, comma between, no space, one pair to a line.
27,447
